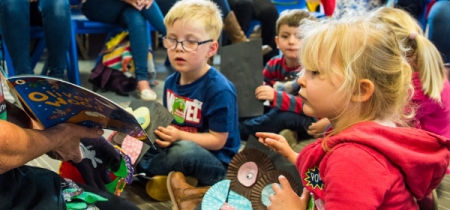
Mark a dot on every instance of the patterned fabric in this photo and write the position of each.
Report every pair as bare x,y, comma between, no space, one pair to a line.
132,147
354,7
117,54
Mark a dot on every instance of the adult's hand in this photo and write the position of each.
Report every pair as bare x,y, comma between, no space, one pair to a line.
67,140
148,3
138,4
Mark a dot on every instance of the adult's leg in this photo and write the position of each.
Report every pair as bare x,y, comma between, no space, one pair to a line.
439,32
105,11
275,121
132,19
155,17
15,27
243,9
56,22
186,157
266,12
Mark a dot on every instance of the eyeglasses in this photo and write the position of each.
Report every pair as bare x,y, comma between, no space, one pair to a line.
186,44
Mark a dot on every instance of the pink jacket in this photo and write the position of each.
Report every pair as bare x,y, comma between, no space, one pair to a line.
430,115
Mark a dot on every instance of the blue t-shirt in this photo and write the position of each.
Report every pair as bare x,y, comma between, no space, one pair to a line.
209,103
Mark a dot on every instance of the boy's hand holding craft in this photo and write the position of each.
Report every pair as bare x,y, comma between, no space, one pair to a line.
265,92
278,144
286,198
169,135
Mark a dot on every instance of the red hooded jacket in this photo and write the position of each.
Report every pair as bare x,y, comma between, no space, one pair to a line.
371,166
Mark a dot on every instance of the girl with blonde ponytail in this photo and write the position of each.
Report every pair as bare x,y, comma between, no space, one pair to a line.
355,75
431,87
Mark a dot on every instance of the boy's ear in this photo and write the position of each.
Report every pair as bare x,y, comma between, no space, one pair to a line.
366,87
276,41
213,49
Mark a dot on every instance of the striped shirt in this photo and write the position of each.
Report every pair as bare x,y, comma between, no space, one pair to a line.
276,70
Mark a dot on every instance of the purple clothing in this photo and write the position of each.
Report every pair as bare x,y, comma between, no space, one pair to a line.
431,115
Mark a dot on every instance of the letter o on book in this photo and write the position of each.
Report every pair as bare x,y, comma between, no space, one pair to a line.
42,97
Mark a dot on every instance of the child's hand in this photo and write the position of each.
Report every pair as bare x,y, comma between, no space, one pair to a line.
265,92
285,197
169,135
317,129
278,144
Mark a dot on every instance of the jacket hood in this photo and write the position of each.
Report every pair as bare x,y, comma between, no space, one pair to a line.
422,156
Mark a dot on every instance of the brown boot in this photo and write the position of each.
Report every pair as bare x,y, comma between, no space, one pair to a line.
233,30
183,195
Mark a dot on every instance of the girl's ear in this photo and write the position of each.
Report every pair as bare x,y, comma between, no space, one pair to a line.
366,91
212,49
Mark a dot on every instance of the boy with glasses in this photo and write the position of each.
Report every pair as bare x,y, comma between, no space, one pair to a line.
204,135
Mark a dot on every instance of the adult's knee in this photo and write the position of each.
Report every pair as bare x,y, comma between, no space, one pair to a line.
55,8
133,17
14,7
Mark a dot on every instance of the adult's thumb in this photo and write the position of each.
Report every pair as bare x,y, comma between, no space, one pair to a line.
92,133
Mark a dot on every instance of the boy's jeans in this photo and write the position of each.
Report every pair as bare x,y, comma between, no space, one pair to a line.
15,27
275,121
186,157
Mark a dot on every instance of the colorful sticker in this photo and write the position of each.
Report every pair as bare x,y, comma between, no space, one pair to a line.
313,178
178,109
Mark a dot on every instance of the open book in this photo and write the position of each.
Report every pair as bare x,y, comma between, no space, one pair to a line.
50,101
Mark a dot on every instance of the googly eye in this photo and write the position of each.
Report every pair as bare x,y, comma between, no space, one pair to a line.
248,173
20,82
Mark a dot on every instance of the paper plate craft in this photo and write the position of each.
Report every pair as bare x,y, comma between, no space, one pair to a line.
219,196
263,188
216,196
246,168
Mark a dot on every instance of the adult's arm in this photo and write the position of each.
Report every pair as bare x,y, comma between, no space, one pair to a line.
19,145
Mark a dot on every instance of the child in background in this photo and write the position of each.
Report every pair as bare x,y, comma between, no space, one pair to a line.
204,135
356,77
286,112
431,87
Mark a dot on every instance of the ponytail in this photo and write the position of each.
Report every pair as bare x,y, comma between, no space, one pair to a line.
431,68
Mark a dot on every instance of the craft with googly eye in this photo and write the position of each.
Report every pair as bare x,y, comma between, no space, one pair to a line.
246,168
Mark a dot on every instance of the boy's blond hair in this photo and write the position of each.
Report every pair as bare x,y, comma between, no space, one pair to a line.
204,13
430,64
292,18
359,49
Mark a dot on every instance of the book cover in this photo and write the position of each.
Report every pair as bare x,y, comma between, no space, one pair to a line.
51,101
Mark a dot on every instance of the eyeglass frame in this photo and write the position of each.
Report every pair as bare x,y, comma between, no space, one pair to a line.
182,44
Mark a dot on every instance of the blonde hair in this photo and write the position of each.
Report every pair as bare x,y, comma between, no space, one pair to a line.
429,61
197,12
292,18
360,49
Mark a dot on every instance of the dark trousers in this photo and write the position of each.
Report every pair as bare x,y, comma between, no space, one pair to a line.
275,121
262,10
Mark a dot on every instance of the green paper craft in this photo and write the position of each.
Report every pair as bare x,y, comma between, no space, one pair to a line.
79,205
89,197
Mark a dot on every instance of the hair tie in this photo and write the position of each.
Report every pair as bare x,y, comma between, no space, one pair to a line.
413,35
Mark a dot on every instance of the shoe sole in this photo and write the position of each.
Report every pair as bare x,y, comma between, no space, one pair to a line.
169,188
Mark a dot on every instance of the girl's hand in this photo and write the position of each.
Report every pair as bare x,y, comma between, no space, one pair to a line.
286,198
278,144
169,134
317,129
138,4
